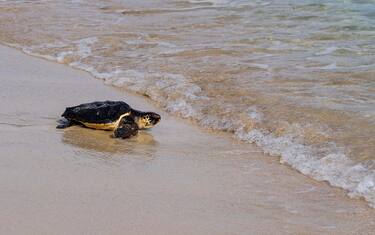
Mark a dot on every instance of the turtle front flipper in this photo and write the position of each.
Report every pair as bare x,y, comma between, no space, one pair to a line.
126,130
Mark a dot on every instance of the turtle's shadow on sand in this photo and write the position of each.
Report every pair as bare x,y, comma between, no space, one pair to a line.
101,141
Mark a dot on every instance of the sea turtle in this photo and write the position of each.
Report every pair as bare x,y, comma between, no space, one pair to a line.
115,116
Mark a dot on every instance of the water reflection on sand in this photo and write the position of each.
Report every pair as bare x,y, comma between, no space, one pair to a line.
101,144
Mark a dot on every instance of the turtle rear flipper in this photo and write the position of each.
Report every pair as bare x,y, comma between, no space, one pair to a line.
126,130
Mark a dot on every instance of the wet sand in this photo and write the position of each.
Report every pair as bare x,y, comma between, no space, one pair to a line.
173,179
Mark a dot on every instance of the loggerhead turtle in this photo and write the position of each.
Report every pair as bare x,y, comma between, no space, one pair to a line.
115,116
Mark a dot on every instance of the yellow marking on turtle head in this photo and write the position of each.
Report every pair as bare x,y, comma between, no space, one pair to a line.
145,122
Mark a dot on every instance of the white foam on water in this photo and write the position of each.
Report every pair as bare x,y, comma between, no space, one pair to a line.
327,51
330,66
335,167
218,2
254,114
257,65
47,57
62,55
223,3
84,46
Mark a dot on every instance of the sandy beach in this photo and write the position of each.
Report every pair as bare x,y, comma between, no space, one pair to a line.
173,179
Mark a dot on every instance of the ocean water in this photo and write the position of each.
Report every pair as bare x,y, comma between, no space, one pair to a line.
297,77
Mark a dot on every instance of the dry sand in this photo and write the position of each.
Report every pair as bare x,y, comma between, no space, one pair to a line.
173,179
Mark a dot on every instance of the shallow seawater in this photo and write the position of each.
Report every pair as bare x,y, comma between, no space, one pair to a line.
297,78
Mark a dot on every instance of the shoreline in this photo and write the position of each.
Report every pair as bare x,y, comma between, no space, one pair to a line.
197,183
322,173
241,137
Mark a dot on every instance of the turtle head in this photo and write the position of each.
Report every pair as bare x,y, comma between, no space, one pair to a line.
147,120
